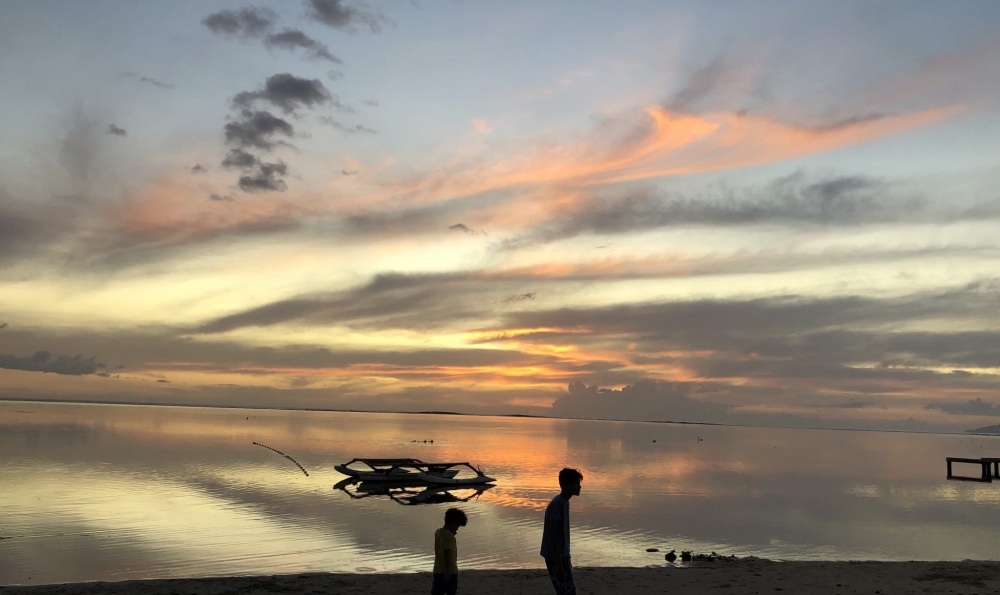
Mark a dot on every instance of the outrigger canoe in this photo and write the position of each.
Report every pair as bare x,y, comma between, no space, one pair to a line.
412,470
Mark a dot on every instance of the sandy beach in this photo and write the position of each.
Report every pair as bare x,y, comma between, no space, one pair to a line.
747,576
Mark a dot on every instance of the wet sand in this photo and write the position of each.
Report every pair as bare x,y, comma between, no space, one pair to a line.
746,576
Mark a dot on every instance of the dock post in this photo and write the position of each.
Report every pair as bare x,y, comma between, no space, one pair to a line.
949,468
986,471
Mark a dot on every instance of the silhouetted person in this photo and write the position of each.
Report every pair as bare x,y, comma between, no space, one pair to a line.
445,580
555,535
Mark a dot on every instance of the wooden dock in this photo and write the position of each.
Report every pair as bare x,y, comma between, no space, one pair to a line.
989,468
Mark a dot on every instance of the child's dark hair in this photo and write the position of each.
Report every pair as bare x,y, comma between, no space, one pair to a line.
455,516
568,476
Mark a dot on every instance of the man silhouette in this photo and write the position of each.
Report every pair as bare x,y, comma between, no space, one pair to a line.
555,534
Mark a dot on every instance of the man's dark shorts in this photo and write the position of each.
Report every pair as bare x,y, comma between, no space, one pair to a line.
566,586
439,586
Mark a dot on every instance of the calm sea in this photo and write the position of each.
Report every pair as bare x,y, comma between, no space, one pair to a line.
108,492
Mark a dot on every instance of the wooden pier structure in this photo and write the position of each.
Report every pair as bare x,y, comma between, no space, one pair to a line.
989,469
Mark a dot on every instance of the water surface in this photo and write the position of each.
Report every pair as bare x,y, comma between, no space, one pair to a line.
113,492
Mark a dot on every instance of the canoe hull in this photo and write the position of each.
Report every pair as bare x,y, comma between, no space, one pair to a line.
388,475
455,481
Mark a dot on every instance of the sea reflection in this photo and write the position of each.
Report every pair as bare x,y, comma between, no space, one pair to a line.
409,494
98,492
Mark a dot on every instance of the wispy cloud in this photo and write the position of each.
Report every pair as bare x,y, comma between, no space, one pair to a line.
247,22
292,39
146,80
337,14
43,361
258,23
975,406
346,128
657,144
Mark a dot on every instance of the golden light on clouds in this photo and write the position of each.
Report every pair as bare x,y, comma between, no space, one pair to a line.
698,232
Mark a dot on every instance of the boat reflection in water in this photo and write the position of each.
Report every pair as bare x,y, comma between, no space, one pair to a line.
408,492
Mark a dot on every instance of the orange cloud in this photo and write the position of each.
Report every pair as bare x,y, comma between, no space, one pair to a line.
172,211
662,143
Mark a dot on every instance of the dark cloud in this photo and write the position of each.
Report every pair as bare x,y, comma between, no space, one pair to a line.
146,80
3,325
975,406
334,75
198,169
518,298
258,23
43,361
166,350
292,39
116,131
466,229
247,22
852,346
334,13
793,200
257,129
784,333
370,103
348,173
289,93
266,177
259,176
853,405
221,197
785,319
346,128
388,301
240,159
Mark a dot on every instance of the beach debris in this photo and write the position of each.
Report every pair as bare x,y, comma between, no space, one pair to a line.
671,556
685,556
284,455
652,549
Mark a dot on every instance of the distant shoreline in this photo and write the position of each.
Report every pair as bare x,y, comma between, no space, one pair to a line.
523,415
743,576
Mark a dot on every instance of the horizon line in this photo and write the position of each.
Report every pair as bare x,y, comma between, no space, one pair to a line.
524,415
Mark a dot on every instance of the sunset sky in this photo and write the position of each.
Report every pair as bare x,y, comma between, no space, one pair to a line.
780,213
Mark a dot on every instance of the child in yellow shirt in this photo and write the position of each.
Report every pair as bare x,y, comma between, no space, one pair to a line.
445,581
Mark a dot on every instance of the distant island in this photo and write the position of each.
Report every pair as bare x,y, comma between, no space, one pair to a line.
986,430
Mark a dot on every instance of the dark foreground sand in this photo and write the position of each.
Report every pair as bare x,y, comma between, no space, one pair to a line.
729,577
